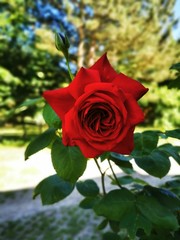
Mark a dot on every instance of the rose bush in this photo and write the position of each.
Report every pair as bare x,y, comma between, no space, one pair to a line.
98,112
99,109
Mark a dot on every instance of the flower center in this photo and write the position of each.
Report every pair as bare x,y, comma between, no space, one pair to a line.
99,118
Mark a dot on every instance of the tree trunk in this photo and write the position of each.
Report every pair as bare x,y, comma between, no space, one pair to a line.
81,50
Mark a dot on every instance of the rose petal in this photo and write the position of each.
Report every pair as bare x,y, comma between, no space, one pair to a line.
129,85
87,150
106,88
115,105
106,71
126,145
135,113
72,136
60,100
81,80
65,137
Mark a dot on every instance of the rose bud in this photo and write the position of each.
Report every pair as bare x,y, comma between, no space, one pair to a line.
62,42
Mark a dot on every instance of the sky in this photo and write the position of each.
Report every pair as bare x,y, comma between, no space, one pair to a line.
176,31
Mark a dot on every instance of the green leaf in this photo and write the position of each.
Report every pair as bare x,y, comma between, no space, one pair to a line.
124,180
134,220
137,187
127,170
157,163
125,166
104,156
171,151
145,143
120,157
31,102
161,234
174,83
165,197
155,212
173,185
111,236
103,224
68,162
40,142
128,180
88,188
114,204
53,189
162,135
152,159
140,181
115,226
89,202
50,117
173,133
176,66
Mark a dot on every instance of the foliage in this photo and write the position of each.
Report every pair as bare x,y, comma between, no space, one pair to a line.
165,113
141,209
176,82
71,165
133,209
26,68
168,97
53,189
137,36
139,43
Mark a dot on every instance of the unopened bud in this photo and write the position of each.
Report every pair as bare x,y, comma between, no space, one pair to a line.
62,42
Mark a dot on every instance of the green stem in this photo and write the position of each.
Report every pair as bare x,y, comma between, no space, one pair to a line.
69,70
102,176
114,175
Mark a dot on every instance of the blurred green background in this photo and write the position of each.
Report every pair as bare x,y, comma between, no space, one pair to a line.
142,39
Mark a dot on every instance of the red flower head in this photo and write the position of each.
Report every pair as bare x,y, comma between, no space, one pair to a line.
99,109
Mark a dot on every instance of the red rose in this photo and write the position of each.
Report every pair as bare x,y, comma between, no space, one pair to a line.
98,109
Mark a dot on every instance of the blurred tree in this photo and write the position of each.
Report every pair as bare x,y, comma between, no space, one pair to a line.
136,34
138,38
27,65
